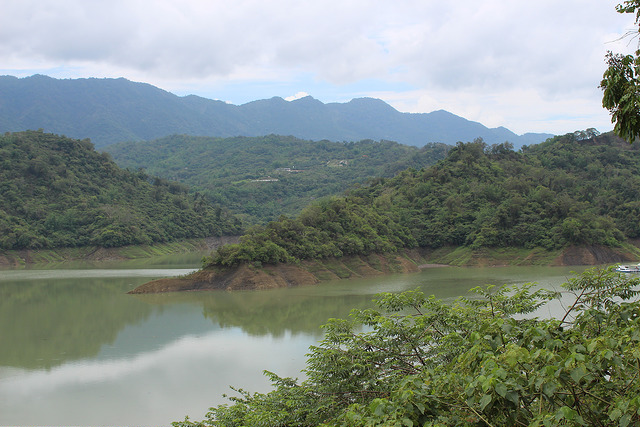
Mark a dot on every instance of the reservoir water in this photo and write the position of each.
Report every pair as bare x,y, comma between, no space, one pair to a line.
76,349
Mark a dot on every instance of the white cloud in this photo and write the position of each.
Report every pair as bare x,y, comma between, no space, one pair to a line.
184,376
465,56
298,95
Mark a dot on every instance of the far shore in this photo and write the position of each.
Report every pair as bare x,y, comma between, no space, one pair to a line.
21,258
256,276
423,266
422,258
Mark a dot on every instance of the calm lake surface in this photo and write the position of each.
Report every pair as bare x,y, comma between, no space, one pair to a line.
75,349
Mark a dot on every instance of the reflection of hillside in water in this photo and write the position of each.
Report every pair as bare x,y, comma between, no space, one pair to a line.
275,315
47,322
305,309
274,312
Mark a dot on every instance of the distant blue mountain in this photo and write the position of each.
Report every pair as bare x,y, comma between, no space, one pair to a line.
114,110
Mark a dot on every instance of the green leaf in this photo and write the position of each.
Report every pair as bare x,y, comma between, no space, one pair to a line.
377,407
549,389
513,397
615,414
484,401
566,413
501,389
578,373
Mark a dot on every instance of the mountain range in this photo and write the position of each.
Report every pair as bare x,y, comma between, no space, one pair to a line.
114,110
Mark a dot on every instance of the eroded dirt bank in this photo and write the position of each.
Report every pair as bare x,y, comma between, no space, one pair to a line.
248,277
595,255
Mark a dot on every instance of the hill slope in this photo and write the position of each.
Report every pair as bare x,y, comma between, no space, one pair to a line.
114,110
262,178
557,194
59,192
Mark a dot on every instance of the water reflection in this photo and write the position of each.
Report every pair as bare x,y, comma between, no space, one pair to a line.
77,350
183,377
274,312
53,316
49,321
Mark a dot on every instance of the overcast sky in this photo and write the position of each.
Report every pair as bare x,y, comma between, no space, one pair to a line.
528,65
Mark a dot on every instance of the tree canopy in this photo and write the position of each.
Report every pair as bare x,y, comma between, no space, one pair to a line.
483,360
59,192
261,178
562,192
621,84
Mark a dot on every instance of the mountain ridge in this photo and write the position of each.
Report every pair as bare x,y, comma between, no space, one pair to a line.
110,110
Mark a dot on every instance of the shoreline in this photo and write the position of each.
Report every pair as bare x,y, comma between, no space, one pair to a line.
269,276
311,272
425,266
24,257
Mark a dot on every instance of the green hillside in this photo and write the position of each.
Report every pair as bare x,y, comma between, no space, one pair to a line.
562,192
59,192
114,110
261,178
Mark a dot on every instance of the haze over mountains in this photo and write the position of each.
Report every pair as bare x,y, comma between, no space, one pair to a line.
114,110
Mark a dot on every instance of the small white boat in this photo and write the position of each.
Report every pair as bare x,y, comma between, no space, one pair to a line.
628,269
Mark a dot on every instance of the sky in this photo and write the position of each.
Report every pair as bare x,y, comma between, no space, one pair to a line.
527,65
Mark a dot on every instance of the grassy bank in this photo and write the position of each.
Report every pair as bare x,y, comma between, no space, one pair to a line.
572,255
458,256
92,253
465,256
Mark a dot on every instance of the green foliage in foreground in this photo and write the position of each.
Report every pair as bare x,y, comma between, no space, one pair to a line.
59,192
480,361
621,83
571,190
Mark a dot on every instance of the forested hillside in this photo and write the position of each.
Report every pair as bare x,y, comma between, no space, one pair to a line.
59,192
114,110
262,178
562,192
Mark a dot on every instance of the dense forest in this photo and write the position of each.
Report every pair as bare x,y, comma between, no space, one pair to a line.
262,178
573,189
59,192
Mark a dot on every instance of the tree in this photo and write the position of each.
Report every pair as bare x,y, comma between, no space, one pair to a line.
621,85
59,192
480,361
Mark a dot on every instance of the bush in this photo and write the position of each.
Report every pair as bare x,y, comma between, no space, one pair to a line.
481,361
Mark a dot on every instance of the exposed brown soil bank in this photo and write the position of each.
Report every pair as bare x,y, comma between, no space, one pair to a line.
595,255
247,277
